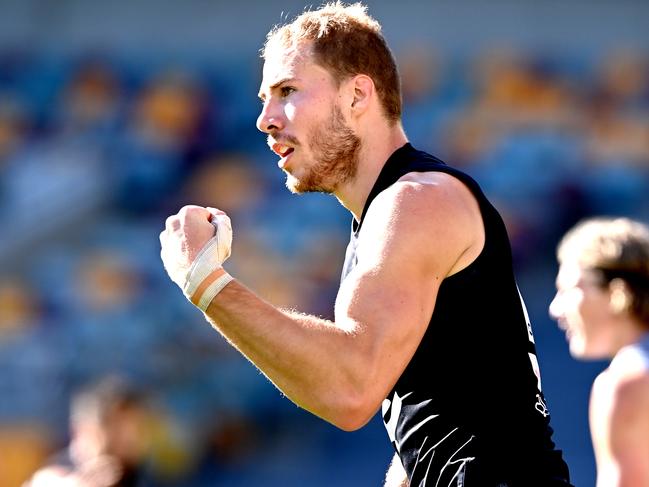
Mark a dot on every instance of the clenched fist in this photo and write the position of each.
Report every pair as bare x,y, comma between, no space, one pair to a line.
195,243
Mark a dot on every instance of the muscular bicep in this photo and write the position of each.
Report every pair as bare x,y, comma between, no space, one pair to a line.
412,237
390,306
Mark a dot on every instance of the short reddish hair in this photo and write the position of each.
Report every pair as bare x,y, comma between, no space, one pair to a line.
346,41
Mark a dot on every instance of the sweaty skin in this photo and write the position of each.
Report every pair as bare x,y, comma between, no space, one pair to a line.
420,230
416,233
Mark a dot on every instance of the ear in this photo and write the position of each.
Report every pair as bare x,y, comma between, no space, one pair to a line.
363,93
620,296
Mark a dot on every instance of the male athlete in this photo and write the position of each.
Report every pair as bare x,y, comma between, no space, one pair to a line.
429,324
602,303
109,440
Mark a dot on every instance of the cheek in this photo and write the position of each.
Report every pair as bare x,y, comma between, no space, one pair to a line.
593,311
593,325
290,111
572,305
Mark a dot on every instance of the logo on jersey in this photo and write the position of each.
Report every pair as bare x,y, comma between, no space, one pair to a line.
541,407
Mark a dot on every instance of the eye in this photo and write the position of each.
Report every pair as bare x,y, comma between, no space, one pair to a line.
286,90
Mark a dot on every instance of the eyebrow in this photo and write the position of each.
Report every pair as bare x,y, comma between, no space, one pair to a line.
276,85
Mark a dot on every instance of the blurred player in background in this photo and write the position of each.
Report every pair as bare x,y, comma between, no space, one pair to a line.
108,440
429,323
602,303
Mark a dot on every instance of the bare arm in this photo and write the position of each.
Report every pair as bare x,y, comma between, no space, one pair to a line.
413,236
396,476
620,426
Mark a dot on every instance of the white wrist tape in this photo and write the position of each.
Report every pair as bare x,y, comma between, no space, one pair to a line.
206,277
209,288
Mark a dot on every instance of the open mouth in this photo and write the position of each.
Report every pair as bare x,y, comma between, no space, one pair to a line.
282,150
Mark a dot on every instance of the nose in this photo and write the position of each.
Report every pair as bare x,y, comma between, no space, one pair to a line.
269,120
555,308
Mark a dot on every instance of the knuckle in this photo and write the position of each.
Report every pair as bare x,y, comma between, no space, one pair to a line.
172,223
191,213
190,209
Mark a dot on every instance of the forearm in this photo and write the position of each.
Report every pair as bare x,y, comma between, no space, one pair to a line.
313,361
340,371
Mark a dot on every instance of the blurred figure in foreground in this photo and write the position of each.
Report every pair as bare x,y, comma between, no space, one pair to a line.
602,303
108,442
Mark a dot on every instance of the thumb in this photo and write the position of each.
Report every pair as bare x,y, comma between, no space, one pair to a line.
214,212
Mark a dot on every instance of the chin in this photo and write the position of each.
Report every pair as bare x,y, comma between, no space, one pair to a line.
577,347
293,184
582,351
299,186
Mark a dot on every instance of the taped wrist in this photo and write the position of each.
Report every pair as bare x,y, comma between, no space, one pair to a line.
209,288
206,277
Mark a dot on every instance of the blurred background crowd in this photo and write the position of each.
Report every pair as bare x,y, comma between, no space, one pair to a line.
102,136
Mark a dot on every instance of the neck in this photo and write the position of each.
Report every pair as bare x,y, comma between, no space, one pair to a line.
375,150
629,331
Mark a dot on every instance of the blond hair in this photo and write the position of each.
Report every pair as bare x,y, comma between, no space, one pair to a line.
617,248
346,41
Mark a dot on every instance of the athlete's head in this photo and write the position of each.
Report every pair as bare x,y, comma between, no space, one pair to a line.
108,418
602,298
320,72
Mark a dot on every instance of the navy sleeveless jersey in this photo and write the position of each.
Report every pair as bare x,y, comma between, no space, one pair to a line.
468,410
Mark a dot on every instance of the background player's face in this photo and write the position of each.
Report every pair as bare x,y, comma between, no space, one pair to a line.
127,434
582,309
305,124
122,434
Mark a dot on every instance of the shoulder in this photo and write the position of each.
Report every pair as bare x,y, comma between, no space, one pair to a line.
431,212
620,427
624,395
631,393
631,358
431,194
